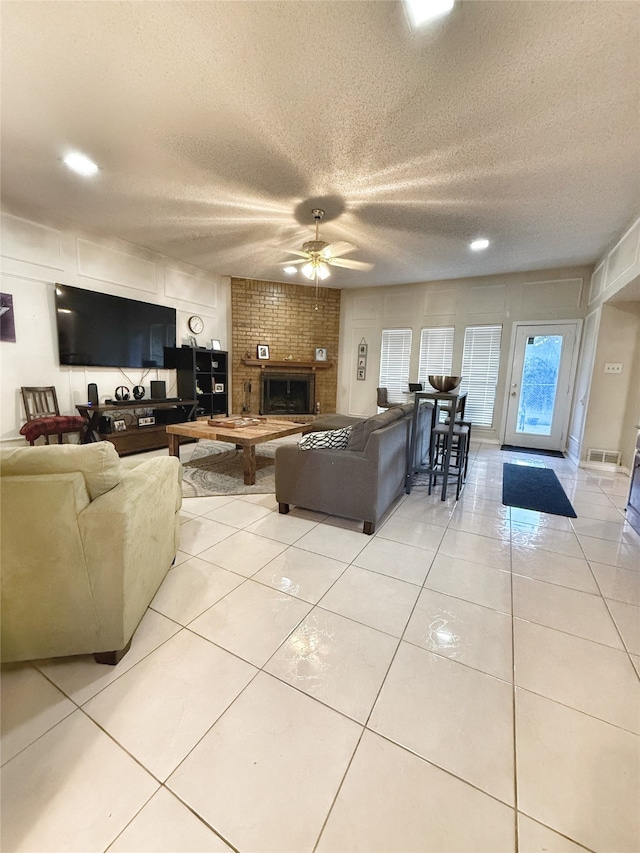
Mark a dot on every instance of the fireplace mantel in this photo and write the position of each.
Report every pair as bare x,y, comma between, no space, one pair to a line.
295,365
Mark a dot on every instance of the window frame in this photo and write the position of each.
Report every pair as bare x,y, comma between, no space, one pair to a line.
397,389
482,395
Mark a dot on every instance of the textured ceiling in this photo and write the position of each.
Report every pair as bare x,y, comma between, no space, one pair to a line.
218,126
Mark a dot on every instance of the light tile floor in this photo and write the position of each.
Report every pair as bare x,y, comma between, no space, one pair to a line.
464,680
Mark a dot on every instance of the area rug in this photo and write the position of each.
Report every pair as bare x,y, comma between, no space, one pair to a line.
216,468
528,487
514,448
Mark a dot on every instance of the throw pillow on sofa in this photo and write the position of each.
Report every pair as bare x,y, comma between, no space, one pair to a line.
335,439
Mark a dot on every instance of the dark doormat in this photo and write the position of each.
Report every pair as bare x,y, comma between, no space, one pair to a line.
534,488
516,449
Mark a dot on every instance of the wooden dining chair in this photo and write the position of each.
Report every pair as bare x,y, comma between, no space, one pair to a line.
43,415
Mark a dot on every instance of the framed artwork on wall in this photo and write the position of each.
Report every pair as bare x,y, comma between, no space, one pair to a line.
361,372
321,353
263,351
7,323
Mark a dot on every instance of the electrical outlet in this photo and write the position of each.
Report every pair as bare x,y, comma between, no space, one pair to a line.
611,367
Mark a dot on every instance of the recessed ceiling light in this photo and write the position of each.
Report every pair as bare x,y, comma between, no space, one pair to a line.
479,245
290,270
80,164
421,11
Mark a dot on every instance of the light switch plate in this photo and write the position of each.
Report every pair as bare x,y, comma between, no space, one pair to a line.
612,367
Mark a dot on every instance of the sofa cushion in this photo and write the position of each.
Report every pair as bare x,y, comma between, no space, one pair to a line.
332,422
99,463
360,432
335,439
407,409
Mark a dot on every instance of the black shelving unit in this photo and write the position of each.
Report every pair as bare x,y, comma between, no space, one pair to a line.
203,375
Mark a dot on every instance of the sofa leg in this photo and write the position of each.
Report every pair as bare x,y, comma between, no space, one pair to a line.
369,527
112,658
283,508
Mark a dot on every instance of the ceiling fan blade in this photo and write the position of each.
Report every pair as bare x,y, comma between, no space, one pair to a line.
340,247
292,252
349,264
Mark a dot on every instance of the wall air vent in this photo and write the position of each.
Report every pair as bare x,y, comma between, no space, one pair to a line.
608,457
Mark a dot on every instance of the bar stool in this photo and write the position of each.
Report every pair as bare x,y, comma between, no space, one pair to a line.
458,452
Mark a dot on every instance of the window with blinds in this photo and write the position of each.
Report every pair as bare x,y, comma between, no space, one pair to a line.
480,365
436,353
395,355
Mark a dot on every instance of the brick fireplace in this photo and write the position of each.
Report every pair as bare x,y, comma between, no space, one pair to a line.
283,317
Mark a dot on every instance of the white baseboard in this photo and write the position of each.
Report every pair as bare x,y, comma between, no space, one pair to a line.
604,467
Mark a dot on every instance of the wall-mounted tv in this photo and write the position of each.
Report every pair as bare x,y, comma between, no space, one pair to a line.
98,330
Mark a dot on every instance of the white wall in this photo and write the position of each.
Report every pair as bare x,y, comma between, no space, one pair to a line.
556,294
34,257
612,401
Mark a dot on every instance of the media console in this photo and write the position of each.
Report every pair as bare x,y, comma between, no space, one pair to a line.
136,424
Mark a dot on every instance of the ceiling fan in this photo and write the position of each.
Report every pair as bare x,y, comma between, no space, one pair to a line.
317,256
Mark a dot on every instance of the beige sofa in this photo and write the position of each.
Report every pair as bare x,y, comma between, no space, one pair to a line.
359,482
87,539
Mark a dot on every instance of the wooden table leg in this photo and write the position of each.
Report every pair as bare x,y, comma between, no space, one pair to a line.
249,461
174,445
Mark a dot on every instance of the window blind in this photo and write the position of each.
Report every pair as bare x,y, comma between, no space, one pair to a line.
436,353
480,366
395,355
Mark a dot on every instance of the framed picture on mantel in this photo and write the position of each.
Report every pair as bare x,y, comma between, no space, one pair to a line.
263,351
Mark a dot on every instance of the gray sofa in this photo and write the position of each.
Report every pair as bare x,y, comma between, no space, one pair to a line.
360,482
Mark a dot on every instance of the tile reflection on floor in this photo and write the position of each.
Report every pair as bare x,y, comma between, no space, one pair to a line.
466,679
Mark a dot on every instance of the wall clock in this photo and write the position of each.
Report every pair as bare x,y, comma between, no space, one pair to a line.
196,324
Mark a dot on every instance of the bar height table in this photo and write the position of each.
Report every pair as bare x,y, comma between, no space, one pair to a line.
436,398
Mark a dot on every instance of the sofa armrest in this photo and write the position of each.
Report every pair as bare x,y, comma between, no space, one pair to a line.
131,536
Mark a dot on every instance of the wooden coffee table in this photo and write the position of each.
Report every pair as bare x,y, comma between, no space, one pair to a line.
245,437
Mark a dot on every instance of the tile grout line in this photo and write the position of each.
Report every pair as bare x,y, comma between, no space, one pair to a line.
373,705
513,699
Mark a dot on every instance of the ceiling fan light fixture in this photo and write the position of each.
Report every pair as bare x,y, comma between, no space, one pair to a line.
316,266
308,271
421,11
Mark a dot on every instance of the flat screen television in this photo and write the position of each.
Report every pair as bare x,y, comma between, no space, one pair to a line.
98,330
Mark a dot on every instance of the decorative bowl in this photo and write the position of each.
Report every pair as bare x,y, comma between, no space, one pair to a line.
445,384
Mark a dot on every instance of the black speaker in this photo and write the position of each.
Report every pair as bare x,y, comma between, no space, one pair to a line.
105,425
92,393
158,389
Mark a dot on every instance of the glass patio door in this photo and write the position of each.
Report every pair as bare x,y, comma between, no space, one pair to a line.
541,386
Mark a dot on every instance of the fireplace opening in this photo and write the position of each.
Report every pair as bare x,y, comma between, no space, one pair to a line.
287,394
